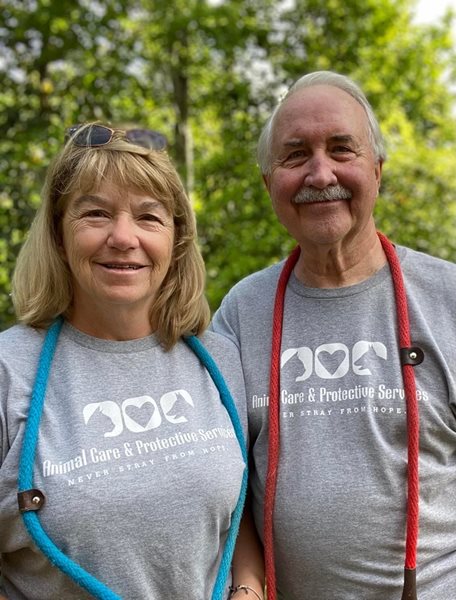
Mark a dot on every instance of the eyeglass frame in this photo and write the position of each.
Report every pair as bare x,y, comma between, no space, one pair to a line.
71,134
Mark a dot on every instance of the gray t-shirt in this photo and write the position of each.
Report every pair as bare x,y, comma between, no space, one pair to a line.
138,460
339,521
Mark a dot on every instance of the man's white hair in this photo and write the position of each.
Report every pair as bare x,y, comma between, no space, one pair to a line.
264,150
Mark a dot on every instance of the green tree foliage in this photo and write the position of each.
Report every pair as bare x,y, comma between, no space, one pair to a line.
53,53
206,73
405,71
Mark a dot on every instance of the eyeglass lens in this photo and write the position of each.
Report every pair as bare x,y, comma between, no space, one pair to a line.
99,135
146,138
96,135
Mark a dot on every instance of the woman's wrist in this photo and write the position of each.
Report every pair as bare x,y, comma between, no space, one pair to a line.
239,591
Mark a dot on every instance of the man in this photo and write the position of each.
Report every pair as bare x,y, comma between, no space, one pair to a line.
358,429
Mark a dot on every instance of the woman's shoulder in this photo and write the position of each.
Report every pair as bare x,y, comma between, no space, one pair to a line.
19,342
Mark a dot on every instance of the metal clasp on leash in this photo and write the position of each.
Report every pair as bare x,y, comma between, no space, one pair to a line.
30,500
411,356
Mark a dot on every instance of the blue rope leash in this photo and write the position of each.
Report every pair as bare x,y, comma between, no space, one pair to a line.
27,459
25,479
227,401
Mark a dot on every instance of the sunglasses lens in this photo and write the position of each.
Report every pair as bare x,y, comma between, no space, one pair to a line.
95,135
147,138
99,135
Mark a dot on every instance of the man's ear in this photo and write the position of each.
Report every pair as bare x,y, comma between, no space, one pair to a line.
378,172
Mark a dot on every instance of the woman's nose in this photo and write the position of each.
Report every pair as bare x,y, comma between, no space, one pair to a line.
122,234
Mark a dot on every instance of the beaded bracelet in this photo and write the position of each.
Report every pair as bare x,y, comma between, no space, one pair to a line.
246,589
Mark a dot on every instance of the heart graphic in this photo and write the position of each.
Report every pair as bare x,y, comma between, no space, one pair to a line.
141,414
331,361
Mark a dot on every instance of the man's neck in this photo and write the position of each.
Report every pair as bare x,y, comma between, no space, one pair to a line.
339,265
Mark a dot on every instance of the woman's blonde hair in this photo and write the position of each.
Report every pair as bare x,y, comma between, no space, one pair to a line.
42,283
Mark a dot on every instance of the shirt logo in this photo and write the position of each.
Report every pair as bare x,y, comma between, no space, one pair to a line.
335,360
138,414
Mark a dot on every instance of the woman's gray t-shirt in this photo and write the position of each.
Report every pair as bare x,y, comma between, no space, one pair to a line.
136,456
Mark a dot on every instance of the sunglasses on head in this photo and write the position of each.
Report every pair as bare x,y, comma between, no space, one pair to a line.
93,136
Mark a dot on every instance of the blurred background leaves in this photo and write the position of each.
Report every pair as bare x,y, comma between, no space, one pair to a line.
207,73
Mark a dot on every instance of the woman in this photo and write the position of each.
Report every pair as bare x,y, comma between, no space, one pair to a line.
131,461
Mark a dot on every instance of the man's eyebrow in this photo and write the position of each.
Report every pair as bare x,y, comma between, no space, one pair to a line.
294,143
340,138
343,138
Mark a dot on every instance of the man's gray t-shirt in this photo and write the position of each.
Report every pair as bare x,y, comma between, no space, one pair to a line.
340,509
137,458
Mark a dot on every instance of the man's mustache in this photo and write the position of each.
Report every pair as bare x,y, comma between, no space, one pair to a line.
332,192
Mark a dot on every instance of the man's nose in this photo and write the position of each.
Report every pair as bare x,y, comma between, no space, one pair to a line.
320,172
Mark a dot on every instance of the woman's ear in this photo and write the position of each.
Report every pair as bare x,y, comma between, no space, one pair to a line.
60,245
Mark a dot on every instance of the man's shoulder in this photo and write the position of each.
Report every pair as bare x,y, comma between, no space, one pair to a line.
249,302
260,281
426,266
219,345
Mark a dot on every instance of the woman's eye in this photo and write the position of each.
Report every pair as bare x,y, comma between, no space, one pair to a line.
150,218
96,213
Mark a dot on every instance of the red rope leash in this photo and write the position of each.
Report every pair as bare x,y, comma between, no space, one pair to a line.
409,590
413,422
274,422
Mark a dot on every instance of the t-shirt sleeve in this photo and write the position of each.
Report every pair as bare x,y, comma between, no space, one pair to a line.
3,422
234,376
226,355
226,320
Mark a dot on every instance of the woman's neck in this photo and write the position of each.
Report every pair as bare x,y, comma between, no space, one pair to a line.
117,325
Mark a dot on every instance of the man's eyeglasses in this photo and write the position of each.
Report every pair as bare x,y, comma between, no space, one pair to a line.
93,136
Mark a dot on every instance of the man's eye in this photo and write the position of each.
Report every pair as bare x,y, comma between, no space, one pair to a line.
295,156
342,149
